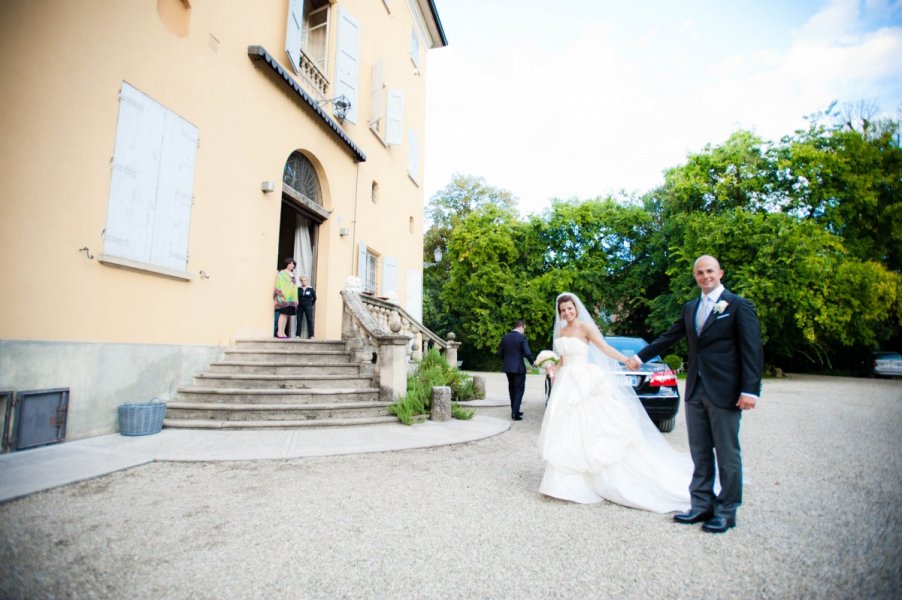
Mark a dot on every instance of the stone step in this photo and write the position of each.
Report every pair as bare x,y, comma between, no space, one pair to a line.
346,369
231,411
238,424
276,396
261,381
285,355
296,345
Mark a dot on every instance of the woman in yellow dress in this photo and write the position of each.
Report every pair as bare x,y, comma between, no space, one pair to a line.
285,297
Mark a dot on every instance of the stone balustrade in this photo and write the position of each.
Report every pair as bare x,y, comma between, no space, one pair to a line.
314,77
386,341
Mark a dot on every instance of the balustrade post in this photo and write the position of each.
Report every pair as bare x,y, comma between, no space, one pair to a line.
393,367
451,350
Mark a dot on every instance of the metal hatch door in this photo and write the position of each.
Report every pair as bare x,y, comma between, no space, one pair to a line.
39,418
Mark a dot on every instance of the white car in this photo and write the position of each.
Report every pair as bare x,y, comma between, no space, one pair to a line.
885,364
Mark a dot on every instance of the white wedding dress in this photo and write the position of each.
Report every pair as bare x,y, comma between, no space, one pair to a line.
599,443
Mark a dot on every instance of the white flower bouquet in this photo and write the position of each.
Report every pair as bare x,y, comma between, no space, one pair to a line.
546,358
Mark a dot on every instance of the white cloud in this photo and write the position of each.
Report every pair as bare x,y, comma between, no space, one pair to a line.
612,107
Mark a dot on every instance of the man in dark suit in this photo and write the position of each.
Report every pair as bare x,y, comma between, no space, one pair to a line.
723,379
513,350
306,300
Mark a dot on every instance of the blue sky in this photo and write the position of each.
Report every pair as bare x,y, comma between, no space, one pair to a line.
588,97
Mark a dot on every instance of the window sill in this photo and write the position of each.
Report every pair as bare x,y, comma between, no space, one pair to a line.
379,137
140,267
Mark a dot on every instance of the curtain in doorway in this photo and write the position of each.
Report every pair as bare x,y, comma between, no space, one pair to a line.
303,256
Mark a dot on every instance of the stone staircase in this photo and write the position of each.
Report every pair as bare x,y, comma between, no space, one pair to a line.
270,383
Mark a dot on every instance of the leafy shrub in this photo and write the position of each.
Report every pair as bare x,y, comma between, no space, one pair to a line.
674,362
433,371
459,412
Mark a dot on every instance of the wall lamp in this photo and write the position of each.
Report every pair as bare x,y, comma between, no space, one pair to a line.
267,186
341,105
437,255
343,232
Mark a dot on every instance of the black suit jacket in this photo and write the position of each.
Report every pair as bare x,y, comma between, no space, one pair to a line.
727,354
513,349
307,296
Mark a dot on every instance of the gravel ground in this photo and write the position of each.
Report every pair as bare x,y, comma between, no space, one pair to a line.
821,520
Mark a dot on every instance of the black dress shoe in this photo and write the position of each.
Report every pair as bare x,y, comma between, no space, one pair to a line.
718,524
519,414
693,516
516,417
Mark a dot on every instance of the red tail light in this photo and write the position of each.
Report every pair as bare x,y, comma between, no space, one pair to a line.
664,378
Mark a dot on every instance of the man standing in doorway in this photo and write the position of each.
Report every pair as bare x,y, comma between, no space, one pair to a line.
514,349
306,300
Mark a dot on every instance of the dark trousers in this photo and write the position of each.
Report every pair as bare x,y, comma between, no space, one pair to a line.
305,311
516,385
714,445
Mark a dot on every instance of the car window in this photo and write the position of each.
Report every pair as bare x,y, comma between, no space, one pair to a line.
888,355
629,346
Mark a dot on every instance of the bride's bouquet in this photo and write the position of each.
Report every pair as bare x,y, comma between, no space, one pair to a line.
547,358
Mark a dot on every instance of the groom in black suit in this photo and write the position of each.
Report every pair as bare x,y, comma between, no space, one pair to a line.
723,379
513,350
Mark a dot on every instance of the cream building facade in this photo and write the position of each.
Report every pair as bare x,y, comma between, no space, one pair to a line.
161,158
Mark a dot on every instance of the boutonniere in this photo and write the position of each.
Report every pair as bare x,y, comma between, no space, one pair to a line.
721,306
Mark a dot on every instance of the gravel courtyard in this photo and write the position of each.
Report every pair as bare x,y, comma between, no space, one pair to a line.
821,519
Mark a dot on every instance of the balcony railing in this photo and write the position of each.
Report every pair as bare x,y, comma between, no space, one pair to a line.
311,75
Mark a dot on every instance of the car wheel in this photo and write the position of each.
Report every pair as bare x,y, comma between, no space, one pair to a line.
666,425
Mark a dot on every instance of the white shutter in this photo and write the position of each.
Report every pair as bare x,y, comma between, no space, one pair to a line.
294,33
361,263
151,183
414,47
136,157
174,194
347,63
389,274
413,157
414,295
376,96
395,117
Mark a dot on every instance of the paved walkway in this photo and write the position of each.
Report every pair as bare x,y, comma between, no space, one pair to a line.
29,471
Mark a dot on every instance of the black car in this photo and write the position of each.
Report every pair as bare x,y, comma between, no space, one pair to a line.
655,384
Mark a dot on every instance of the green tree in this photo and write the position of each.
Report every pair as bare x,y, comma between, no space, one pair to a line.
736,174
448,206
850,182
599,248
810,294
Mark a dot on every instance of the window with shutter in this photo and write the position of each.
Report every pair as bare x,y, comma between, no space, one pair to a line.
414,294
389,274
151,184
376,104
414,47
413,157
394,126
316,36
347,61
372,268
367,267
294,32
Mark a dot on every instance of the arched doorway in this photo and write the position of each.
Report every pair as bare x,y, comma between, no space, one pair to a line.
302,213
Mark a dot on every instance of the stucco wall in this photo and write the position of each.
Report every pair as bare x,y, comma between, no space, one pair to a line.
62,65
100,377
113,335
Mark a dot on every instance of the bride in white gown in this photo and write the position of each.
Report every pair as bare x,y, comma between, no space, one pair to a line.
596,438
